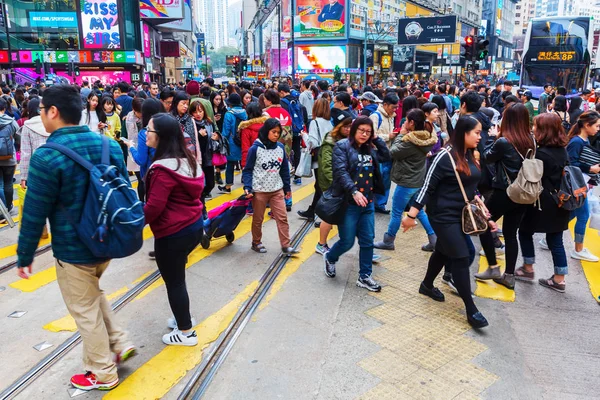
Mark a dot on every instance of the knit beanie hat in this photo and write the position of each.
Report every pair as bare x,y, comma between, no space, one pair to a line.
193,88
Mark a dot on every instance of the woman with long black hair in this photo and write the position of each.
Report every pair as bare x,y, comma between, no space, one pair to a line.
179,109
442,194
173,209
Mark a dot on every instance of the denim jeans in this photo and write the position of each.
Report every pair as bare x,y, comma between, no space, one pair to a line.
583,215
386,170
359,222
6,186
229,172
402,196
557,248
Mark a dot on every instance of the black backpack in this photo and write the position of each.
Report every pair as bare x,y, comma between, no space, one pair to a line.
237,135
573,190
566,125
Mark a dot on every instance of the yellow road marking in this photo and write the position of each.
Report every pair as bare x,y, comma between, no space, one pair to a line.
157,376
36,281
68,324
490,289
590,269
11,250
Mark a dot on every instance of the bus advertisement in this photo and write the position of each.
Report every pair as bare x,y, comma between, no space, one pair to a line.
557,51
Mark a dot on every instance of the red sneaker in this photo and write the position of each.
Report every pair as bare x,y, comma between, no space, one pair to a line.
125,354
88,381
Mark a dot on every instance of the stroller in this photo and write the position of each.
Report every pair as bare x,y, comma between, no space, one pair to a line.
223,220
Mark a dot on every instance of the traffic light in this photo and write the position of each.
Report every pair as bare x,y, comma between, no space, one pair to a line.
76,69
468,48
46,68
70,68
244,65
482,48
236,65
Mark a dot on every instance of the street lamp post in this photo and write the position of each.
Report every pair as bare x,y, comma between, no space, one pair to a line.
209,46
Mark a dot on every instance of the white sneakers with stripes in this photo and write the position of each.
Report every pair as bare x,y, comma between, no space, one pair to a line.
178,338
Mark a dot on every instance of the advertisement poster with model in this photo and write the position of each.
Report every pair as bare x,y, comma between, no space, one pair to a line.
320,19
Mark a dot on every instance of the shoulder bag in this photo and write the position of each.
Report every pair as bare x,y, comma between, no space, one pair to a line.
474,214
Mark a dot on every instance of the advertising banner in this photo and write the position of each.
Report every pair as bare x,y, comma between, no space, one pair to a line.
370,54
321,57
164,9
106,77
427,30
201,51
320,19
146,39
169,48
403,58
100,24
42,19
181,25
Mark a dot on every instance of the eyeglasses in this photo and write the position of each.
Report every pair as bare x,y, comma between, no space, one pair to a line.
151,130
362,131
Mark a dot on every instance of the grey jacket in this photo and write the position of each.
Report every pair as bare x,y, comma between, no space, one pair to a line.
10,124
409,153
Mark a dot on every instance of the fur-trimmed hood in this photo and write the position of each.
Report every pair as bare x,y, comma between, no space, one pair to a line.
246,124
421,138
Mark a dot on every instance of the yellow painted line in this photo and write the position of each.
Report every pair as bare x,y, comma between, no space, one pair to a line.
195,256
590,269
490,289
308,250
35,281
11,250
45,277
157,376
67,323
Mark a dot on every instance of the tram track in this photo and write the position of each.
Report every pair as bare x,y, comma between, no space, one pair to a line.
206,371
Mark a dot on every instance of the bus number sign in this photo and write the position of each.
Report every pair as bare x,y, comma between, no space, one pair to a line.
556,55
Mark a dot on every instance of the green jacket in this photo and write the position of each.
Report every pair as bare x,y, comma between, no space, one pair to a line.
325,171
409,154
529,108
207,106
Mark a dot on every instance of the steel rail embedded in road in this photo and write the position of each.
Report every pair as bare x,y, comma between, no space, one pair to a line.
42,366
13,264
198,383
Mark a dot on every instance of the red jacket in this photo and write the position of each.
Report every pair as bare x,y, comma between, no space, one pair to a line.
173,196
249,133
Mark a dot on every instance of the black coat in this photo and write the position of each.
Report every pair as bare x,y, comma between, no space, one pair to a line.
550,219
506,160
345,166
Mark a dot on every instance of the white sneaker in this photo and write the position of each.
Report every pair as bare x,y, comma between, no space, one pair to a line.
177,338
584,255
544,244
172,323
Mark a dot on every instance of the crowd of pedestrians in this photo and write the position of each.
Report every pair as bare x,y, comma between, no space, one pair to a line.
450,151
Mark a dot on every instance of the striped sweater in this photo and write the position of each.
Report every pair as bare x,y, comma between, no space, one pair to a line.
57,186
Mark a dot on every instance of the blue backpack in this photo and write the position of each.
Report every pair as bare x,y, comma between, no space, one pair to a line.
112,219
296,114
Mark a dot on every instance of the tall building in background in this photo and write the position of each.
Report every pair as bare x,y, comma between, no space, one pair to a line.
212,14
499,22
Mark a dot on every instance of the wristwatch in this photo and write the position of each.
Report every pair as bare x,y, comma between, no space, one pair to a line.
353,193
411,217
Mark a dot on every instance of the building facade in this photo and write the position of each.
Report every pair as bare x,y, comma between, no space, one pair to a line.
499,21
213,18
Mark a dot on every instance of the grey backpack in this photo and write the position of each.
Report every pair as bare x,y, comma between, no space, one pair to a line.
526,189
573,190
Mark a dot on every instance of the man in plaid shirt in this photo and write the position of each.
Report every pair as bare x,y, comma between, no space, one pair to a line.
56,190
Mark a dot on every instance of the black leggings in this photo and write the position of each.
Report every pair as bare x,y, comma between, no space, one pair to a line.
501,205
460,274
141,189
171,257
296,149
318,191
209,180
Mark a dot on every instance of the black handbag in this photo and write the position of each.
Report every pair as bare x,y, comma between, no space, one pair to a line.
331,208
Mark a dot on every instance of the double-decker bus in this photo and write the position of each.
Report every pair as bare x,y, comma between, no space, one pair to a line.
557,51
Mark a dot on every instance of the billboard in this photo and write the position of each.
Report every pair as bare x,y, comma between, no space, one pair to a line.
320,19
403,58
321,57
106,77
146,40
164,9
43,19
427,30
100,24
181,25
